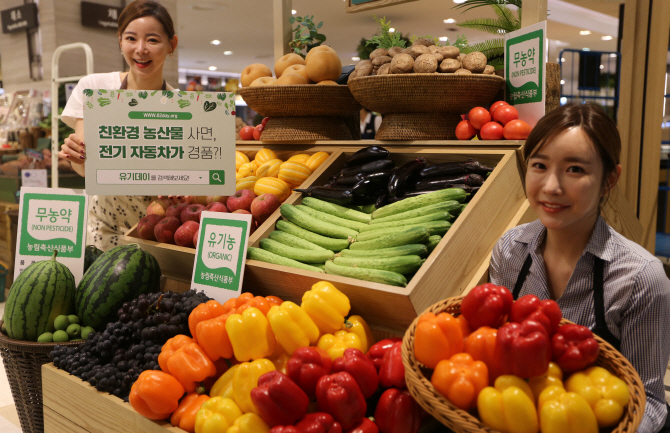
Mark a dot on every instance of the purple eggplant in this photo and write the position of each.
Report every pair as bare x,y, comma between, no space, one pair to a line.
370,167
380,177
382,200
349,180
332,195
402,174
471,179
367,186
365,155
455,168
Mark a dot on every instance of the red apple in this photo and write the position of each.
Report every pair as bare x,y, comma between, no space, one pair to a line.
146,226
175,210
195,238
191,213
216,198
166,228
184,234
216,207
263,206
240,200
155,208
253,226
196,199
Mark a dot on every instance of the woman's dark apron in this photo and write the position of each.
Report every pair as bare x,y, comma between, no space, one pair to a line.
369,130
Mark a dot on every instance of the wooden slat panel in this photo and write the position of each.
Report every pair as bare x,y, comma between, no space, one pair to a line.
55,423
451,144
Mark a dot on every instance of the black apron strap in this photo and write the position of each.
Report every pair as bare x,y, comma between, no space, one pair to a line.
522,276
601,328
124,84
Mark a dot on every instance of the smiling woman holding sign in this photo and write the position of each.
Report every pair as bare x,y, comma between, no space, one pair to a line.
146,38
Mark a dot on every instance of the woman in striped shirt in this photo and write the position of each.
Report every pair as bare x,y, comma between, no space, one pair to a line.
599,278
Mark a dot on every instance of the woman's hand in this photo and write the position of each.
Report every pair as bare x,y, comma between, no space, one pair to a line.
73,150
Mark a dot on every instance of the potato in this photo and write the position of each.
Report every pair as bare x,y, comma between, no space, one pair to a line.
384,69
378,61
402,63
463,72
352,75
450,65
393,51
416,50
449,52
364,69
254,71
489,70
439,57
433,49
424,41
263,81
475,62
461,56
379,52
425,64
363,64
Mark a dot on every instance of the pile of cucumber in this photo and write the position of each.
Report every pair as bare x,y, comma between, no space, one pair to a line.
385,246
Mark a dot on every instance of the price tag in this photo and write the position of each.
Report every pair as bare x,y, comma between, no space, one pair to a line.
35,178
51,221
221,254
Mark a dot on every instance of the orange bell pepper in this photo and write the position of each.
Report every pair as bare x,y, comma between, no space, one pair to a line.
465,327
437,338
460,379
481,345
213,338
202,312
184,416
221,369
170,347
257,302
251,335
155,394
190,366
274,300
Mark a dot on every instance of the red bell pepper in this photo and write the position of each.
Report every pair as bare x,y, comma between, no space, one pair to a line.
339,395
523,349
398,412
546,311
392,371
365,425
361,368
278,399
377,351
487,305
284,429
319,422
574,348
306,366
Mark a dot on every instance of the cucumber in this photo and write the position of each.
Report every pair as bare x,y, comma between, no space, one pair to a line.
299,254
422,200
435,216
433,240
322,241
294,241
451,206
320,266
337,210
306,221
374,275
434,227
354,225
402,250
413,235
266,256
401,264
368,208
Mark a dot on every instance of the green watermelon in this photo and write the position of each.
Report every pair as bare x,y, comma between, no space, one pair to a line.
42,292
117,276
91,254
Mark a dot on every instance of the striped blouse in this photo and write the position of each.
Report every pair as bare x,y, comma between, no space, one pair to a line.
637,299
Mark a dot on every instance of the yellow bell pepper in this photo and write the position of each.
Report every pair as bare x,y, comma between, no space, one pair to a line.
326,305
216,415
280,360
336,344
357,325
606,394
223,387
249,423
565,412
553,376
245,379
292,327
250,334
508,406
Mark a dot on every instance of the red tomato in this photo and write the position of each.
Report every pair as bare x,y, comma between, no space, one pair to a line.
505,114
465,130
247,133
265,121
516,130
479,116
496,105
257,132
491,131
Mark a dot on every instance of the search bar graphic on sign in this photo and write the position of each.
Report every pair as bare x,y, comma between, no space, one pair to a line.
160,177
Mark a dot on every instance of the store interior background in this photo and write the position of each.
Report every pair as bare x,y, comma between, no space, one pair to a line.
218,38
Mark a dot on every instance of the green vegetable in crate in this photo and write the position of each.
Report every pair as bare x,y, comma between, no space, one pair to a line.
402,250
42,292
304,220
422,200
322,241
435,216
337,210
434,227
451,206
119,275
266,256
294,241
299,254
400,264
322,216
374,275
91,254
432,242
413,235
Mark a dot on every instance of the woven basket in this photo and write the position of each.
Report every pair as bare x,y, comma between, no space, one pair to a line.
460,421
23,362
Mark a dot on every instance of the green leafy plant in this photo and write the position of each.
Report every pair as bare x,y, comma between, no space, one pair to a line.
386,38
310,38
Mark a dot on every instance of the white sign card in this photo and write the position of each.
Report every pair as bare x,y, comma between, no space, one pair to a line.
220,254
159,142
525,73
52,219
35,178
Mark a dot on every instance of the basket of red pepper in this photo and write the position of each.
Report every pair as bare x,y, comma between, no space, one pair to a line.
484,361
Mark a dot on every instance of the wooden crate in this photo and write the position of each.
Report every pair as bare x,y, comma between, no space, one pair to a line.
447,271
177,262
73,406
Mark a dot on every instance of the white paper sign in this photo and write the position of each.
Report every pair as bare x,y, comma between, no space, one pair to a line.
220,255
35,178
52,219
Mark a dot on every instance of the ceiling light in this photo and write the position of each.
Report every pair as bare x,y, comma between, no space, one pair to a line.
227,53
613,55
562,59
355,59
391,30
459,1
562,81
443,38
293,11
215,42
606,38
585,32
212,68
602,66
449,21
586,49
